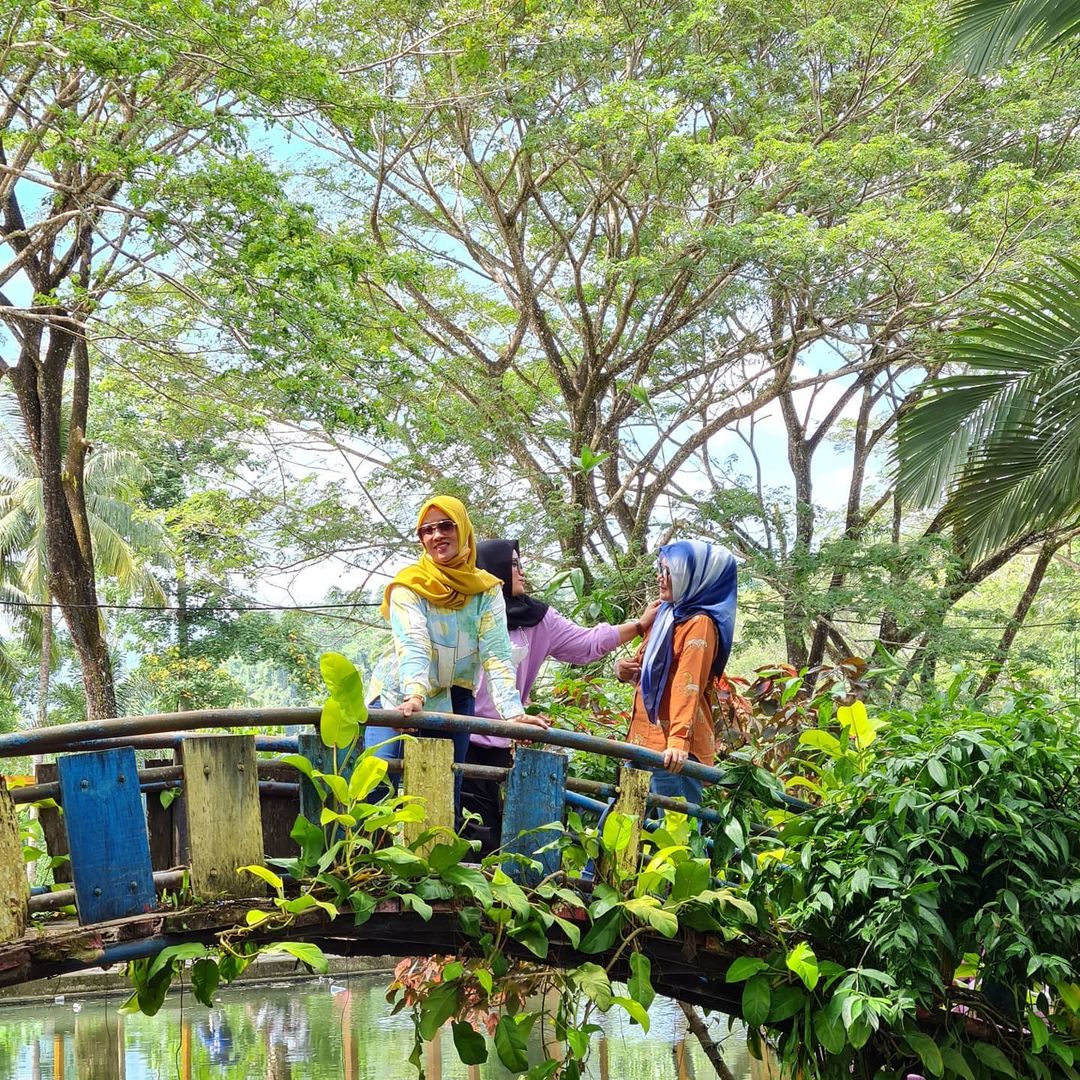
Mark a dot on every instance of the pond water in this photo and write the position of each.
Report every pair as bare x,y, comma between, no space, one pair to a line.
327,1029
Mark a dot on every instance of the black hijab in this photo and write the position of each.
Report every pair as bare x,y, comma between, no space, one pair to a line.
495,557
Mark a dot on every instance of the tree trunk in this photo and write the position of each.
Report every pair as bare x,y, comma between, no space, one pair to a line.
38,380
183,630
708,1044
45,666
1038,572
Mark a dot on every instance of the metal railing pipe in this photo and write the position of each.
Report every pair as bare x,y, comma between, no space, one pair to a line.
46,740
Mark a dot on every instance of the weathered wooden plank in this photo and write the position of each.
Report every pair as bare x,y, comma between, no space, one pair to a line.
279,811
14,888
221,792
631,800
535,795
181,847
52,824
159,823
690,966
106,831
429,774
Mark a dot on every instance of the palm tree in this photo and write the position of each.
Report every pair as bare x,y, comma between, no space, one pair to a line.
988,33
123,541
1001,439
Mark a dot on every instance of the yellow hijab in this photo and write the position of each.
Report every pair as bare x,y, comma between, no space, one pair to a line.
446,585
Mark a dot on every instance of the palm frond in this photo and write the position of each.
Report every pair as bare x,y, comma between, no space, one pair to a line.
125,537
987,33
10,670
1001,441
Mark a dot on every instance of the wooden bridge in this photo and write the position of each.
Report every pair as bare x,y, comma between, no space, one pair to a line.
129,854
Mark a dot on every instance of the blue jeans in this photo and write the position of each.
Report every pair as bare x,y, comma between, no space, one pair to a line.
463,704
676,785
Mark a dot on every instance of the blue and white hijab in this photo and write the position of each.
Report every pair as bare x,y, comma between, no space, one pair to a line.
703,581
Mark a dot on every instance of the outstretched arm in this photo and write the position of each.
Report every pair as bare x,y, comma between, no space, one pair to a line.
495,657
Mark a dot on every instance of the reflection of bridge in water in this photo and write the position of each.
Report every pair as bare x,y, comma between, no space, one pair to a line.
334,1027
129,853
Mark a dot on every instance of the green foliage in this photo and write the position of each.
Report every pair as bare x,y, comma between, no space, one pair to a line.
936,869
944,851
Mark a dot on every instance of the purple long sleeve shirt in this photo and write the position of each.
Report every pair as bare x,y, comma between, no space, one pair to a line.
553,637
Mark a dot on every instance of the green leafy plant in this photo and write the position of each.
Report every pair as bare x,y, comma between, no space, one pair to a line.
920,914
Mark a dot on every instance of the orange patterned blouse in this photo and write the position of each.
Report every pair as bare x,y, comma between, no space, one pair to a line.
689,699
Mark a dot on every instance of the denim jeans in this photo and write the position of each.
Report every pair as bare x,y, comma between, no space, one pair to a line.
463,704
676,785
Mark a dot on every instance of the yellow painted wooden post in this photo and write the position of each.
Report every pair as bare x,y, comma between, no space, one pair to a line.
14,888
221,790
429,774
633,801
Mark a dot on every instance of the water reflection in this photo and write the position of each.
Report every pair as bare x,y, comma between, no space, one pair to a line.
310,1031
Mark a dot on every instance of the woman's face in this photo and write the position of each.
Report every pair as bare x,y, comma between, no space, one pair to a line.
663,578
439,535
517,577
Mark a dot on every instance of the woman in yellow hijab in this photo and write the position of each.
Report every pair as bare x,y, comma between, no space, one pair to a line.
447,620
446,574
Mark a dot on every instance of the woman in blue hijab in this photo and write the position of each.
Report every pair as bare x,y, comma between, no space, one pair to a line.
680,659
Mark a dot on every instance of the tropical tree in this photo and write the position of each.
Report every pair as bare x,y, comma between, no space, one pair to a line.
125,540
614,243
107,113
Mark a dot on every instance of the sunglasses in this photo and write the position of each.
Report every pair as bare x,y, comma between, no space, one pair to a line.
445,527
663,571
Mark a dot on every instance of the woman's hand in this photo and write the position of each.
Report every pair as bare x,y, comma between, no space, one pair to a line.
648,616
628,671
541,722
674,759
413,704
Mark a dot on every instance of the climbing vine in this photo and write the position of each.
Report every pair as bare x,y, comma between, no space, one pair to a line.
921,915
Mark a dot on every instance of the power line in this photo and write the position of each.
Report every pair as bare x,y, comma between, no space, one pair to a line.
316,608
189,609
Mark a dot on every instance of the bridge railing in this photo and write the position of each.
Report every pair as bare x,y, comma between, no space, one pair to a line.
236,808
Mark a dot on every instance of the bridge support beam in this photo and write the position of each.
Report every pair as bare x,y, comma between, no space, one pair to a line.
535,795
14,888
221,792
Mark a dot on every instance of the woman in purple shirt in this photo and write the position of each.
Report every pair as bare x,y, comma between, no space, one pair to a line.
537,632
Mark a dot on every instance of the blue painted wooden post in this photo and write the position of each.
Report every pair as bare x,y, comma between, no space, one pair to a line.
321,756
535,794
106,829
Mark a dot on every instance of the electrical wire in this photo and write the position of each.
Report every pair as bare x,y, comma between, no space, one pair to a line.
196,610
